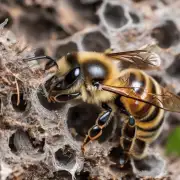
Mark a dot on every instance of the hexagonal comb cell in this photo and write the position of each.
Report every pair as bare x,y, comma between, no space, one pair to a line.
95,41
87,11
21,141
45,28
114,16
12,145
151,165
167,34
63,49
19,105
80,119
66,156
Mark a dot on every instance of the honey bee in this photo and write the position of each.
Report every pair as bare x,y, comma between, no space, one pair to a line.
118,83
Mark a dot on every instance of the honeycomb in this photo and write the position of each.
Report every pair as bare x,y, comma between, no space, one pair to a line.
42,140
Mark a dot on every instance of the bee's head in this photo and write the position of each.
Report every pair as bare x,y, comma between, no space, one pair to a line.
65,84
74,71
79,69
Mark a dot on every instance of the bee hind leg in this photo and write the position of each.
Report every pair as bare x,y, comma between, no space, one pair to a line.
96,130
128,134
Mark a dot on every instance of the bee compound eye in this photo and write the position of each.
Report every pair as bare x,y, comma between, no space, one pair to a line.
72,75
95,132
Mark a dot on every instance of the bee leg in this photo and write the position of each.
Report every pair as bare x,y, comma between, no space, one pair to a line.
124,157
96,131
128,132
129,128
131,121
104,118
86,141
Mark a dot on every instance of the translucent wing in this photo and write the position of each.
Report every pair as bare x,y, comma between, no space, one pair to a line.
142,59
166,100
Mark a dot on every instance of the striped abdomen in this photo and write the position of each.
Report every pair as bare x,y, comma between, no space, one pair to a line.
149,119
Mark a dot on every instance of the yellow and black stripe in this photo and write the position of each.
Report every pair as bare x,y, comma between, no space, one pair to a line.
149,118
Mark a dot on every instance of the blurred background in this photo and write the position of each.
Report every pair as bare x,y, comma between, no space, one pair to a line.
56,27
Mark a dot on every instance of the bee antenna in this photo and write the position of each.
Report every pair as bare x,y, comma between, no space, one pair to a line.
41,57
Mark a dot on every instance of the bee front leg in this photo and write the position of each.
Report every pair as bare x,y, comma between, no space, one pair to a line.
96,131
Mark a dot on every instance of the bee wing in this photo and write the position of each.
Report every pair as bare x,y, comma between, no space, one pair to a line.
166,100
142,59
